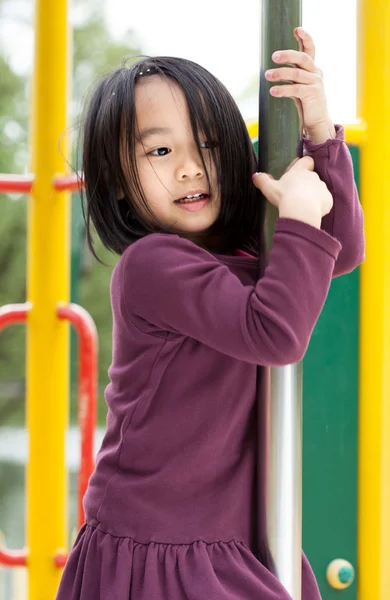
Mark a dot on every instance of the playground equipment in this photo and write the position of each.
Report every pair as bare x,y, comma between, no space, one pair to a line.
46,313
345,517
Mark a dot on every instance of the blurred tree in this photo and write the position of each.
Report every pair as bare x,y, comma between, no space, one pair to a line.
13,154
95,52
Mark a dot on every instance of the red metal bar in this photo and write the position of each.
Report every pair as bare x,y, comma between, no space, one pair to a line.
86,330
16,183
60,559
11,314
87,334
71,183
24,183
13,558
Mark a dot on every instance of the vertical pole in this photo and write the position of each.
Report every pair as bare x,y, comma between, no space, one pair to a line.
374,416
48,284
278,137
285,476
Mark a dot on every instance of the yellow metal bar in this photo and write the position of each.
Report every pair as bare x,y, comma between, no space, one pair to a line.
374,385
355,133
48,284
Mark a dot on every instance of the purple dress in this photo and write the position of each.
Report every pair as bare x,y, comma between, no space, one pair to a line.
170,508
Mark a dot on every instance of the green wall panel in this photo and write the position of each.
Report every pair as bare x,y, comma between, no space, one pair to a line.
330,437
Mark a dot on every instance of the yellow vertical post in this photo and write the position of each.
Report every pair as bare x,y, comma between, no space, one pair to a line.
374,417
48,283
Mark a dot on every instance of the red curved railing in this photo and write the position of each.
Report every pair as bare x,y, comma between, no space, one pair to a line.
87,392
16,183
13,558
86,330
12,314
71,183
24,183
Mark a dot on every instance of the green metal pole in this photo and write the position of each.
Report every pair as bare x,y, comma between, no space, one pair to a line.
278,117
278,138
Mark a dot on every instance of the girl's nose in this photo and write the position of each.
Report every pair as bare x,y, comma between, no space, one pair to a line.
190,169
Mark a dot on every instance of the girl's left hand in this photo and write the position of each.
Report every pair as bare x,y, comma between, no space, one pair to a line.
306,83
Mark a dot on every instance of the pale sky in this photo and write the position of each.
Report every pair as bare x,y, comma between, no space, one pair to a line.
224,38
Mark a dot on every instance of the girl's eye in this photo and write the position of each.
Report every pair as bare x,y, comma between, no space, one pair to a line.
163,151
208,145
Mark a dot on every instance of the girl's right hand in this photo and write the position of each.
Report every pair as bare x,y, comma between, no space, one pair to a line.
299,194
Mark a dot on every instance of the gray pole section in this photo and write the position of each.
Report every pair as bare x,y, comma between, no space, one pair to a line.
278,138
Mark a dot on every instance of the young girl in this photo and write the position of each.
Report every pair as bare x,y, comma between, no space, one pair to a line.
168,163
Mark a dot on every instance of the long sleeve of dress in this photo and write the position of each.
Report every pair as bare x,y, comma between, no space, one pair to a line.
333,163
171,286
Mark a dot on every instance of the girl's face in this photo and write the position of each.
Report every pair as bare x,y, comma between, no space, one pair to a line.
170,168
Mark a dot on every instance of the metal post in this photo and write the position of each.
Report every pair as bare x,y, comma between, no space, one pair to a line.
278,137
48,284
284,512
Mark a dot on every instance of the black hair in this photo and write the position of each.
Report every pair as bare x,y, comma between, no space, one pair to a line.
108,157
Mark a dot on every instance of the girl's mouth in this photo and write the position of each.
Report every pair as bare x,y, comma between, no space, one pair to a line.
195,202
